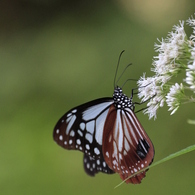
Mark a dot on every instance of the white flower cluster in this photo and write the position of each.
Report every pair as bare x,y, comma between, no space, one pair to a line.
176,54
173,97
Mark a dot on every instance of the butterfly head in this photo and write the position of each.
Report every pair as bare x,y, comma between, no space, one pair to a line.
122,101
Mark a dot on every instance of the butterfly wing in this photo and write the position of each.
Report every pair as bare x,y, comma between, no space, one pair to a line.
126,146
81,129
94,165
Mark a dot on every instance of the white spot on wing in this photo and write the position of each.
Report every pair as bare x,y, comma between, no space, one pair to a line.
96,151
135,170
124,153
104,164
78,141
57,131
61,137
90,126
87,146
82,126
74,111
80,133
98,161
72,133
115,162
68,115
89,137
70,141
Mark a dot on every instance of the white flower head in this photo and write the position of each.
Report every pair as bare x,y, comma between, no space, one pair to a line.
146,88
174,97
151,110
151,90
191,22
170,50
190,71
178,36
190,78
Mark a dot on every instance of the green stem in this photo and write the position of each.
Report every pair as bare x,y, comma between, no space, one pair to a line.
171,156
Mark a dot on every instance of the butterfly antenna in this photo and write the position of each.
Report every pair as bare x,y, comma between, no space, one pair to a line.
117,68
123,73
127,81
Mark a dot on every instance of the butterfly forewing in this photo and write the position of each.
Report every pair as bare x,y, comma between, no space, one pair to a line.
127,148
81,128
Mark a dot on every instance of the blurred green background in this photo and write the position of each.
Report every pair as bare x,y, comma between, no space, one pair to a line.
56,54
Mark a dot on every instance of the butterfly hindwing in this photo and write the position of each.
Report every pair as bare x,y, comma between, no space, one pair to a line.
127,148
94,165
81,128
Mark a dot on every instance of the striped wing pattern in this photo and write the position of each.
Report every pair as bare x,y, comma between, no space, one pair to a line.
81,129
127,148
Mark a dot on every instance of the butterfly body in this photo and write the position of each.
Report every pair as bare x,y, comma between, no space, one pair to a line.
109,134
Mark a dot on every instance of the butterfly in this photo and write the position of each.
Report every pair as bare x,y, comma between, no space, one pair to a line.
109,134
